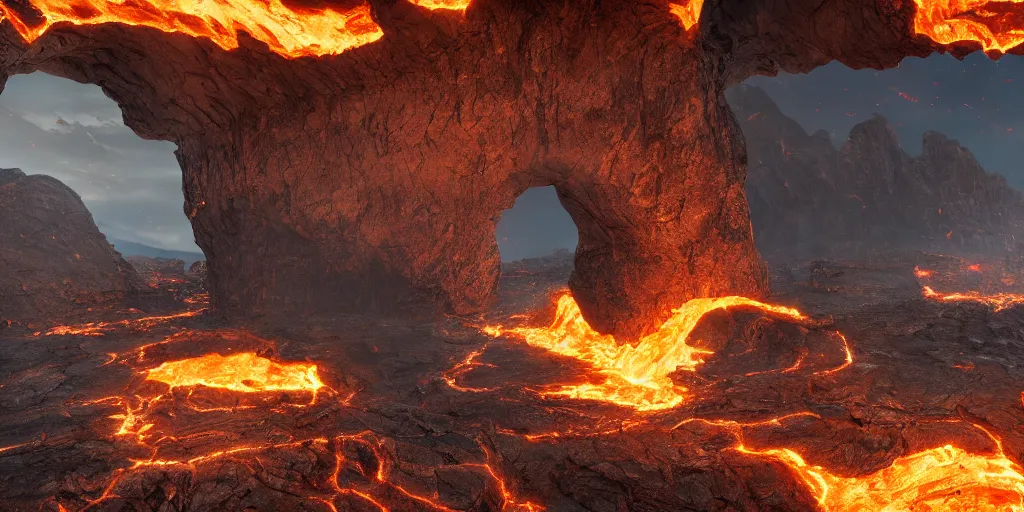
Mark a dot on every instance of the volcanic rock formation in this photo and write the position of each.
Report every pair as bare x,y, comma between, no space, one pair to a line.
808,198
375,176
53,259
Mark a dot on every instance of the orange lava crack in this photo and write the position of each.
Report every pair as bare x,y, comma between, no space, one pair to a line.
245,372
250,373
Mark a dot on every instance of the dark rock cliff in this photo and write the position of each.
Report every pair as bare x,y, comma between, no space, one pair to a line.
809,198
53,259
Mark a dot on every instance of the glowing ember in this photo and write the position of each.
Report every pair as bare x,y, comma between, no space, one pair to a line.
451,5
688,12
993,23
290,33
921,273
633,376
997,302
945,478
245,372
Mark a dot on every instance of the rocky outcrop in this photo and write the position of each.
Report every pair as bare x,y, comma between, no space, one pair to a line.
374,177
809,198
53,259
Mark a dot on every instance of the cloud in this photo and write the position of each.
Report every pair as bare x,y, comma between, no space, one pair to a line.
74,133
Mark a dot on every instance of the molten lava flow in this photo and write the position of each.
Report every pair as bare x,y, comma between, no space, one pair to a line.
288,32
633,376
245,372
451,5
945,478
997,302
996,24
687,12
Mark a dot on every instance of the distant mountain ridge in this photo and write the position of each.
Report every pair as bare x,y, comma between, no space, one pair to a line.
127,248
809,197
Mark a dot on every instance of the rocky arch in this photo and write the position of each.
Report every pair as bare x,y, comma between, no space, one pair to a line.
372,178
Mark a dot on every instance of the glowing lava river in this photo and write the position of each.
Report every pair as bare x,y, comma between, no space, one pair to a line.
876,398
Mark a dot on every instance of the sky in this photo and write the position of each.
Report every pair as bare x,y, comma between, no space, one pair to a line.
75,133
132,186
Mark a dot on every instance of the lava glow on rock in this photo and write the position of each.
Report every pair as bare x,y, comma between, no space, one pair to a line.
637,376
245,372
997,25
943,478
288,32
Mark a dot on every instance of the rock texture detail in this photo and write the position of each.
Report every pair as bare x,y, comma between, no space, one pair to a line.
375,177
810,198
53,259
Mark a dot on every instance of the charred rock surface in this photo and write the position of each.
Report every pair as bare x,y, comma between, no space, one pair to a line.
411,419
809,198
53,258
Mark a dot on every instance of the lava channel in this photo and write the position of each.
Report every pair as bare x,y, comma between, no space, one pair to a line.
688,12
636,377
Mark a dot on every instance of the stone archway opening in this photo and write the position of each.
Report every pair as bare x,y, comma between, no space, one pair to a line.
536,226
74,133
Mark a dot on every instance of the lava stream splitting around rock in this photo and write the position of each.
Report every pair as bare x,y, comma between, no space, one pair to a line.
634,376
